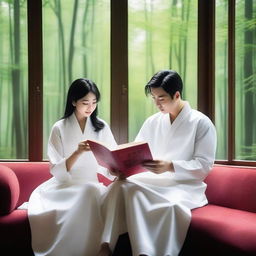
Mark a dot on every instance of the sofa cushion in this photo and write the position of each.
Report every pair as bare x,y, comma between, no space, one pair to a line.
15,230
232,187
223,226
9,190
30,175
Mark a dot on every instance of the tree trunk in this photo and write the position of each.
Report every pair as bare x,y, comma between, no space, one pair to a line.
254,85
173,9
223,103
16,83
186,24
1,83
71,42
84,37
150,37
149,45
248,72
62,75
146,41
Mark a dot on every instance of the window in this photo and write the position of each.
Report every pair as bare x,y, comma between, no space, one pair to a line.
169,43
210,43
221,78
13,80
235,80
245,80
76,40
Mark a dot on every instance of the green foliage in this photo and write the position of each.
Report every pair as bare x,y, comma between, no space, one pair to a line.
244,153
13,80
245,84
86,54
169,43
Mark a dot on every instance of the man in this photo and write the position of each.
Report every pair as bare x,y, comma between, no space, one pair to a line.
155,206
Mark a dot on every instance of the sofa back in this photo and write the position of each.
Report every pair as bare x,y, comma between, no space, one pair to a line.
233,187
29,175
228,186
19,179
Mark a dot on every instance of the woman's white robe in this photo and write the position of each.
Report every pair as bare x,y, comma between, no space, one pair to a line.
156,209
64,212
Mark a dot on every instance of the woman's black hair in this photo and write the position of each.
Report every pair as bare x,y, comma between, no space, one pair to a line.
169,80
77,90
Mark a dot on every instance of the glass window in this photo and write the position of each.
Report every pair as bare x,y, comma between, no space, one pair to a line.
221,78
245,93
162,35
13,80
76,38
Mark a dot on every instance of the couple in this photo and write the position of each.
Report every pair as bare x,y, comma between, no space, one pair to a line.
72,214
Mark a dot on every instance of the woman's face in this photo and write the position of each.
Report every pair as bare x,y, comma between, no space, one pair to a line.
85,106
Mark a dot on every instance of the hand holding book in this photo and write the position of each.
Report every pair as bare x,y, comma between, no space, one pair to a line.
126,158
120,175
159,166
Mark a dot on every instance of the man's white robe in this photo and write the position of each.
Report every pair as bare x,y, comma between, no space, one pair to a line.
64,212
156,209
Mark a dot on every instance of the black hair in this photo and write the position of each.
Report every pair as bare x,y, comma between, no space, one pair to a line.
169,80
77,90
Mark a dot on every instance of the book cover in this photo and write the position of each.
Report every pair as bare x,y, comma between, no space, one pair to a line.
126,158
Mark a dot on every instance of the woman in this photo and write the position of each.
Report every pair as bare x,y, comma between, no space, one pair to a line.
64,212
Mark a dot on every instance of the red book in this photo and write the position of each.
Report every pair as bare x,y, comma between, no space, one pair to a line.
126,158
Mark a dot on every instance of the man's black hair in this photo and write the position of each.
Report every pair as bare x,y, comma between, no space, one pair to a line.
169,80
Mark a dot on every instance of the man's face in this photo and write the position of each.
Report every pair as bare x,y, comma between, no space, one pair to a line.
163,100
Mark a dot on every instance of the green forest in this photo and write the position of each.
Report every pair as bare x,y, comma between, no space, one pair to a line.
162,35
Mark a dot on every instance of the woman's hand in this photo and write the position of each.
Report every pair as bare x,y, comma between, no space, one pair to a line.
118,174
83,147
158,166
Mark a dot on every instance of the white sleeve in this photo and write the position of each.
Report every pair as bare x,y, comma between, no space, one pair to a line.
56,156
143,133
107,138
204,155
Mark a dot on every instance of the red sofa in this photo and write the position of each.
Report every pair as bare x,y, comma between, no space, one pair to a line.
226,226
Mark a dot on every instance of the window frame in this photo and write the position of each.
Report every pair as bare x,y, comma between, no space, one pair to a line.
35,81
119,73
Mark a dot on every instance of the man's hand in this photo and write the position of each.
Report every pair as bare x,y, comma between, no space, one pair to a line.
158,166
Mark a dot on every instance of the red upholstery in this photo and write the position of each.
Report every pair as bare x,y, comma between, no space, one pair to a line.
15,230
226,226
233,187
9,190
29,175
15,236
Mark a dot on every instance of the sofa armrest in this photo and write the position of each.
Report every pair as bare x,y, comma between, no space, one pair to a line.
9,190
30,175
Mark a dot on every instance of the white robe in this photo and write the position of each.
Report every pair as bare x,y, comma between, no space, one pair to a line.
64,212
156,208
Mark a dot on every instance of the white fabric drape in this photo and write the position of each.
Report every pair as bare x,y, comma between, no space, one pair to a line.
64,212
156,209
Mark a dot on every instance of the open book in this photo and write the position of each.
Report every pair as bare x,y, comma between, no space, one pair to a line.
126,158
